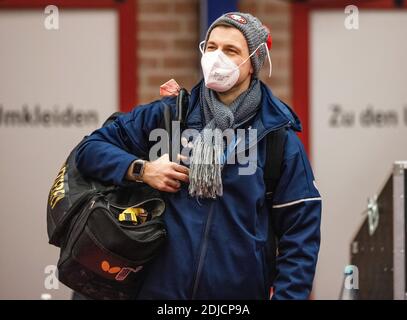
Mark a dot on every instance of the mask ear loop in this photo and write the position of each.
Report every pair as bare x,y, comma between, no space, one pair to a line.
200,46
268,56
245,60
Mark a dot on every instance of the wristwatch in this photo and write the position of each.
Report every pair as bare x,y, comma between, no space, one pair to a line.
138,170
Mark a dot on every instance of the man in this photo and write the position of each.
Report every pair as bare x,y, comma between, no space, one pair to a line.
216,218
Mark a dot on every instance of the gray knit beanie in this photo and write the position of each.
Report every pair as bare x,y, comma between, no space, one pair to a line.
254,32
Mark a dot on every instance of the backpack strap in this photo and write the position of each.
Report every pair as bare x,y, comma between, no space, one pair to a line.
181,106
167,125
275,145
274,159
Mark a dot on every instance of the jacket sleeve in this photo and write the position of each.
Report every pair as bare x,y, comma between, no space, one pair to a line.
108,152
296,217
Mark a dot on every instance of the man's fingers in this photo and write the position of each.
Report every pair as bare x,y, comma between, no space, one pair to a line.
169,189
179,176
180,168
172,183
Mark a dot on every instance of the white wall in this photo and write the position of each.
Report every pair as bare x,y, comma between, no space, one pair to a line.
354,69
75,66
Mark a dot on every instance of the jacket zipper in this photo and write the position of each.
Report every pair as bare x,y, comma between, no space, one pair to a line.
203,252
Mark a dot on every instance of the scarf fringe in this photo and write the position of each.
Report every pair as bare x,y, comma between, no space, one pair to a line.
205,173
206,165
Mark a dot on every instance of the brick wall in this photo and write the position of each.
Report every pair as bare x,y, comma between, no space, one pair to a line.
168,37
167,45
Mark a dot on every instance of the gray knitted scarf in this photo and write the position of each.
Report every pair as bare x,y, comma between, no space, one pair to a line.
205,173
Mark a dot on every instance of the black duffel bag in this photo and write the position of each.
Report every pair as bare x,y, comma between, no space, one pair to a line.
103,258
103,251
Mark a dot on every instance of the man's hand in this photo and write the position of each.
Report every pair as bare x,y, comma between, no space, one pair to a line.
164,175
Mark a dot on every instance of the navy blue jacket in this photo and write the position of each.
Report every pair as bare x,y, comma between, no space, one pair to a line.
216,248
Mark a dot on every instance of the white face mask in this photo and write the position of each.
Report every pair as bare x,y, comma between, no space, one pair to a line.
220,72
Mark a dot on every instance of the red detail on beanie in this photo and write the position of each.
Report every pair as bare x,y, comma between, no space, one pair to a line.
269,41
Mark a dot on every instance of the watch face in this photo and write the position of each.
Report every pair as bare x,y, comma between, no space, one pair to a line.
137,168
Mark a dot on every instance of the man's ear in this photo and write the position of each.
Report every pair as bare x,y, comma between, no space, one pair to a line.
251,71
